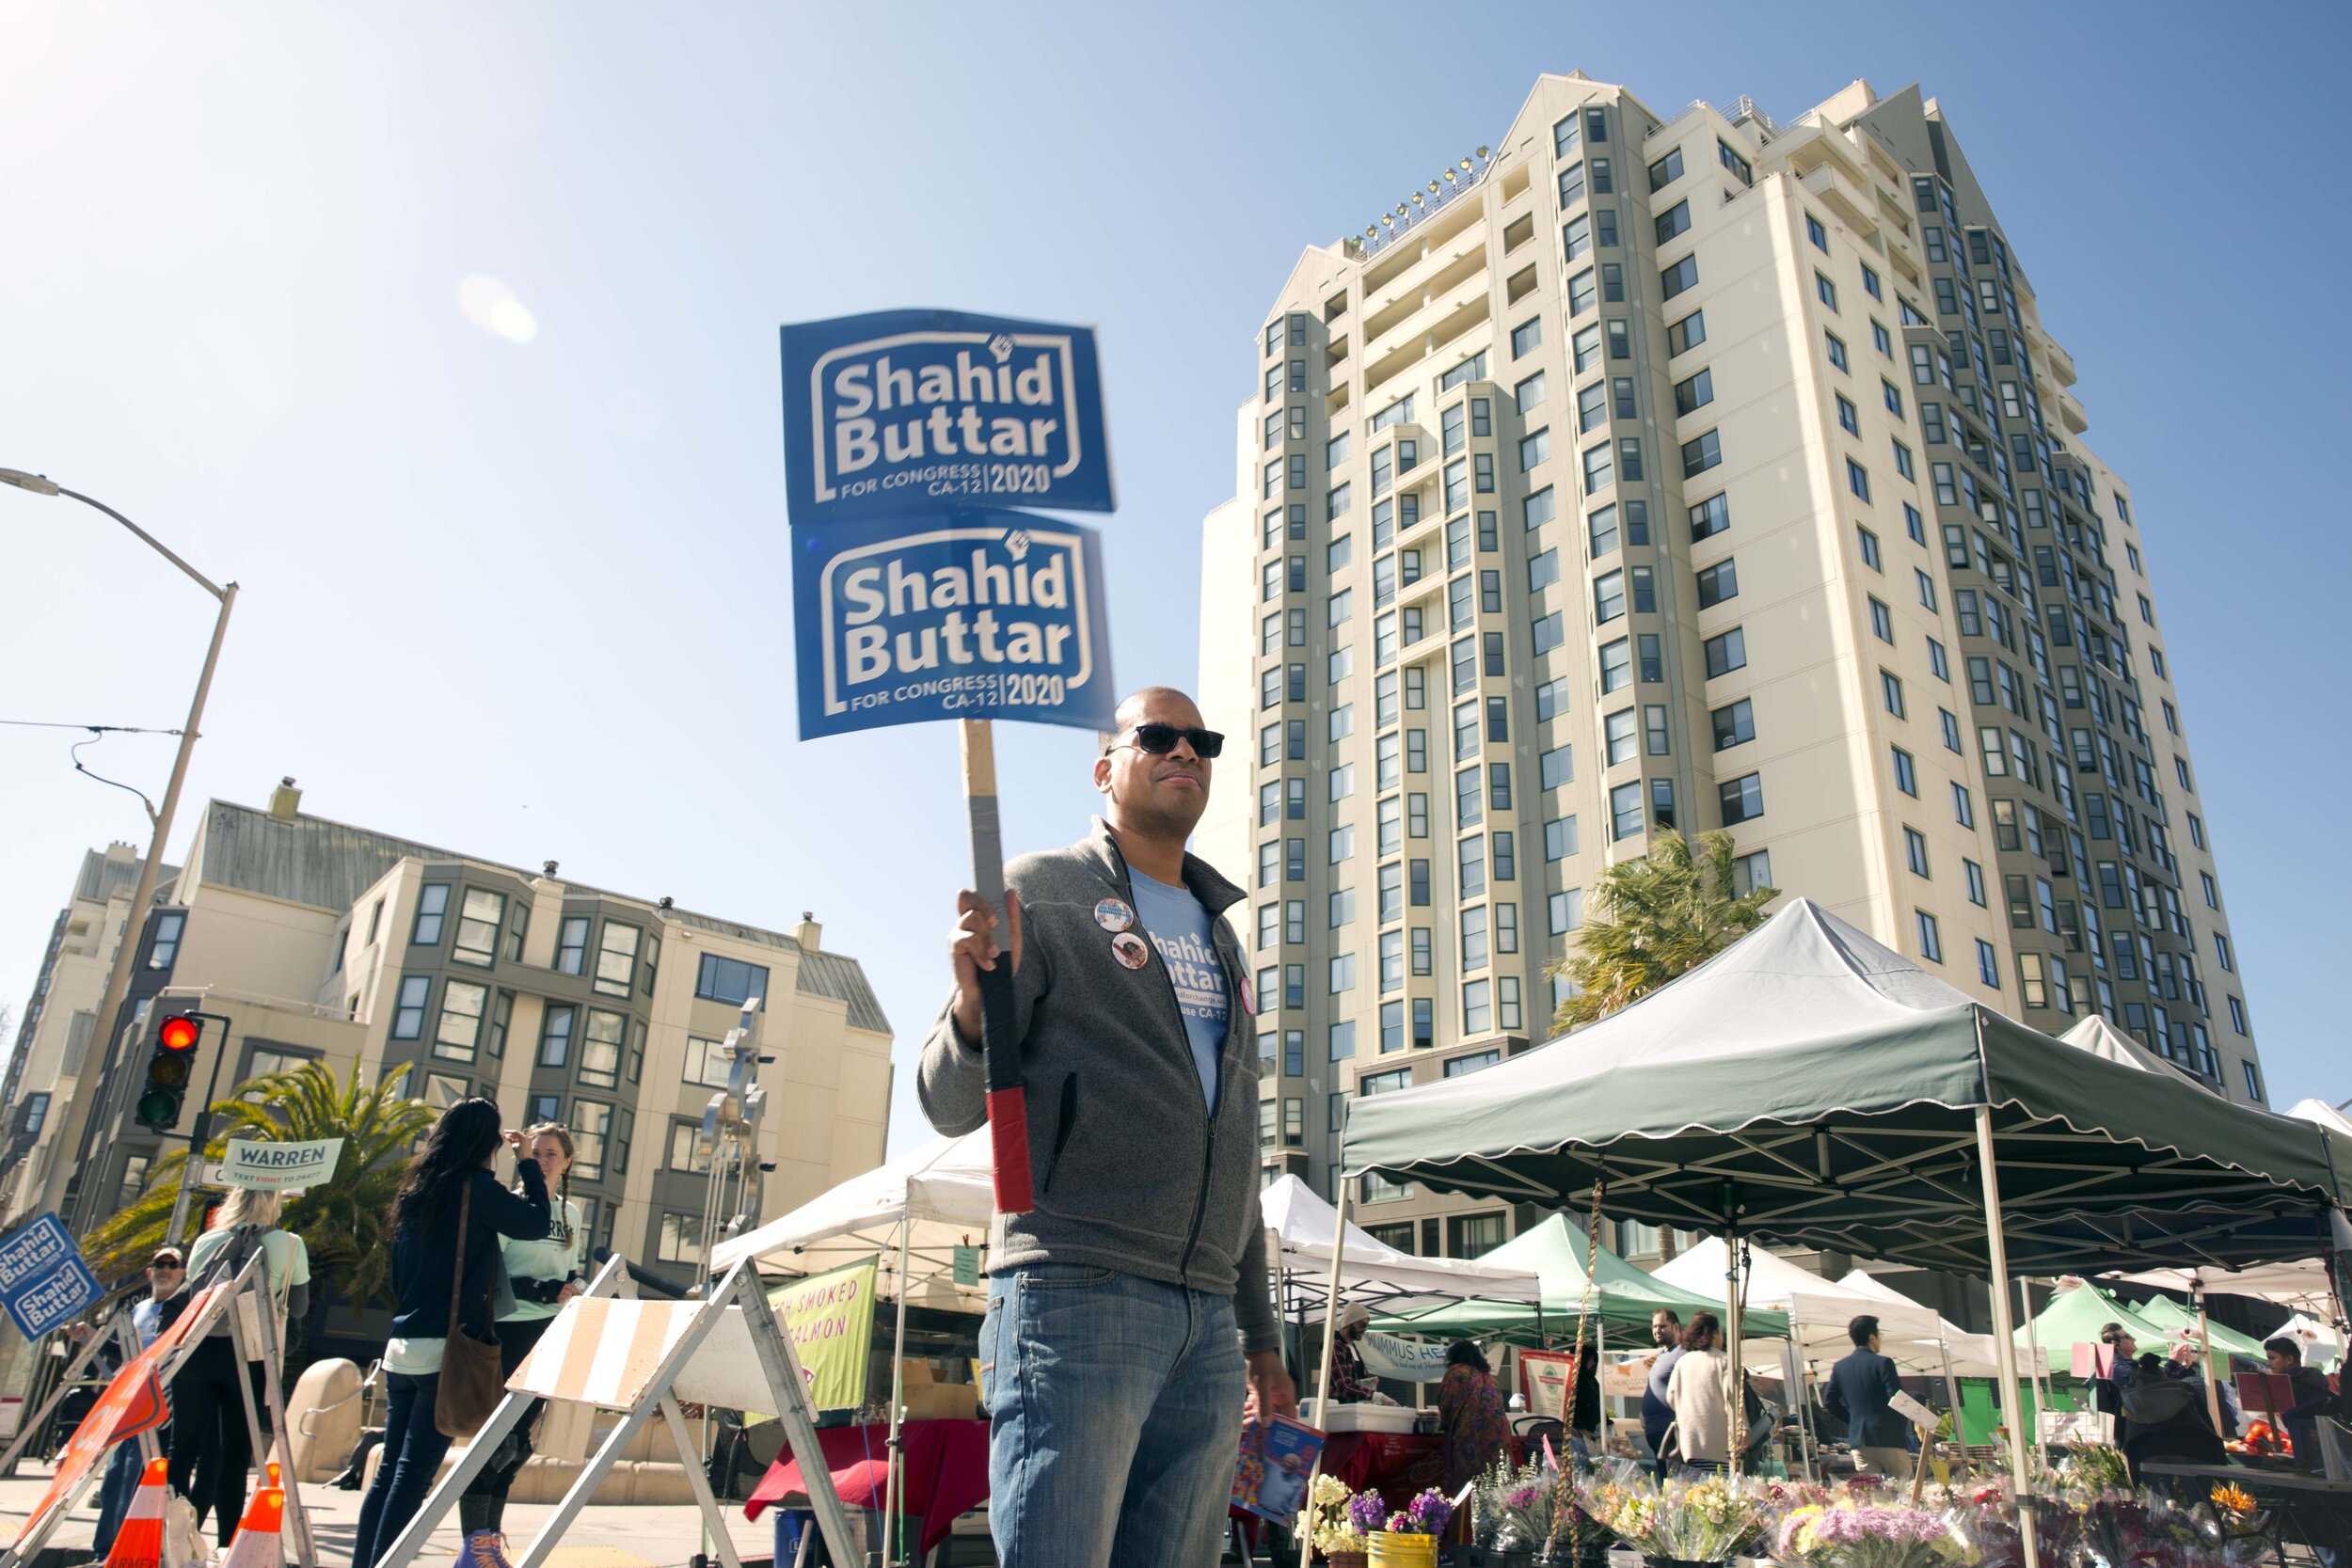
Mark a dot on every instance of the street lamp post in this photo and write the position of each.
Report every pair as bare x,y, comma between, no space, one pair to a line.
65,1151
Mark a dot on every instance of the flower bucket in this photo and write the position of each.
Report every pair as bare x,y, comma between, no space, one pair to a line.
1345,1560
1649,1561
1392,1550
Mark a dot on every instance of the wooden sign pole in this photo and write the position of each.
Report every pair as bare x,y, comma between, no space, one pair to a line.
1008,1094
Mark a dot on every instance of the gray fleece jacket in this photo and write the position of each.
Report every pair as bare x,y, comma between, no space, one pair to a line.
1131,1171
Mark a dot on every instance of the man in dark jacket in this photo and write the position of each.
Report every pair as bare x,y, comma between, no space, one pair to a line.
1128,1313
2314,1398
1859,1389
1665,1332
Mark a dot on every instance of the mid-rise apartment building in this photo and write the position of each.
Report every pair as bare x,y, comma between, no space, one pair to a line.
1648,473
457,975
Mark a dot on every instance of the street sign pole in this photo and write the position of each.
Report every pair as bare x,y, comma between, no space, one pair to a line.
1008,1094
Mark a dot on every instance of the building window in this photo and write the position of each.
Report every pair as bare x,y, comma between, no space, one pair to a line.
1686,334
1906,772
571,946
479,916
600,1048
1725,651
1734,724
1683,276
680,1239
1838,351
408,1008
460,1029
1931,936
432,910
163,951
2253,1082
1701,454
555,1037
1718,582
1743,797
729,980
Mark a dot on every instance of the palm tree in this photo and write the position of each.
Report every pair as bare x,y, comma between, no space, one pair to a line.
342,1222
1660,916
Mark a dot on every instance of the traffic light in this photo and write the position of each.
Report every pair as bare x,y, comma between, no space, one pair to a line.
171,1063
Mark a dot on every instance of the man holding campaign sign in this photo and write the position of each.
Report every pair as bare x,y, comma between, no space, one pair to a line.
1128,1317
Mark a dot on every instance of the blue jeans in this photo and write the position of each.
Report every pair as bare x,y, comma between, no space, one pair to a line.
413,1451
1114,1409
123,1470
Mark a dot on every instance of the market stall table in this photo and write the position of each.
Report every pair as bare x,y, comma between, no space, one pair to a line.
2305,1507
947,1471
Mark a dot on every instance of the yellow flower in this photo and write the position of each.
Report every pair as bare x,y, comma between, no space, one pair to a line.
2232,1498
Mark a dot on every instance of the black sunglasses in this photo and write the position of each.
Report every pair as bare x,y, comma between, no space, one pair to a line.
1160,739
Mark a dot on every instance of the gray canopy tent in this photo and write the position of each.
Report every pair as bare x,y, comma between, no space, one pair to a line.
1812,1087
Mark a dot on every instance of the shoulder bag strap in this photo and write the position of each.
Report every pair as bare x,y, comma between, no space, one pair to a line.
458,1276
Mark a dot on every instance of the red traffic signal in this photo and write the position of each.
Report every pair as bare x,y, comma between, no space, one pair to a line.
170,1066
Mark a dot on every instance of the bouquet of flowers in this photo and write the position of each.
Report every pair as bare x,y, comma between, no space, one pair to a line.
1857,1534
1428,1514
1686,1520
1332,1521
1987,1528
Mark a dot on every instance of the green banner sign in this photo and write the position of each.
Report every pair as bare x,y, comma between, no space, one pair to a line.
830,1320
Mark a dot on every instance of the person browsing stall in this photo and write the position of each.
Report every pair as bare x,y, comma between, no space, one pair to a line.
1665,1332
1860,1389
1128,1317
545,1272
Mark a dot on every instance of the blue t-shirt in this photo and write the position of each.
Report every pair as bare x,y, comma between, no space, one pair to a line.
1184,932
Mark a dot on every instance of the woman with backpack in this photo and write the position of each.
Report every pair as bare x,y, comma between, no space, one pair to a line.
212,1448
447,1221
545,1273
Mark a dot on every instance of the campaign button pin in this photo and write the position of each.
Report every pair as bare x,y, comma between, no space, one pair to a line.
1113,915
1129,950
1248,997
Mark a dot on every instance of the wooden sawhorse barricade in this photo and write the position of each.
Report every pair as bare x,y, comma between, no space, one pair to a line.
640,1358
138,1389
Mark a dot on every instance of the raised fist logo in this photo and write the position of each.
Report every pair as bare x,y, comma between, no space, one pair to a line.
1017,544
1001,346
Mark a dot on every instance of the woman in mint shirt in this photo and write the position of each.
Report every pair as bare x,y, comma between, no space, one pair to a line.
545,1273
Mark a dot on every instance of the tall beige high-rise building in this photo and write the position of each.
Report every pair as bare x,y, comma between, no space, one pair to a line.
1648,472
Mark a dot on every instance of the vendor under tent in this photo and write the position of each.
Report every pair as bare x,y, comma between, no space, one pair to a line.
2323,1347
1811,1086
1624,1296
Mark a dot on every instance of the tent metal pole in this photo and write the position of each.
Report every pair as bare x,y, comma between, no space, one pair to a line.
1735,1406
1951,1395
1331,1335
893,1474
2004,1329
2205,1347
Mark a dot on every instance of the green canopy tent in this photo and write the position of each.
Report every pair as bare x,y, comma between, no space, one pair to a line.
1624,1296
2076,1315
1810,1087
2178,1322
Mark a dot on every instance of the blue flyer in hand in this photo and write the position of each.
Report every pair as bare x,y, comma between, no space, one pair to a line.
1276,1457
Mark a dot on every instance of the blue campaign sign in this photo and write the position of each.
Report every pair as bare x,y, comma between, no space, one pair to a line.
44,1281
979,614
903,410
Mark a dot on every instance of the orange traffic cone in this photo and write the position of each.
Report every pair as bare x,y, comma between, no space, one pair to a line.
255,1542
139,1544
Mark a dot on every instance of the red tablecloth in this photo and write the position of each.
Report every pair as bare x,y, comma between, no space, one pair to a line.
947,1471
1399,1464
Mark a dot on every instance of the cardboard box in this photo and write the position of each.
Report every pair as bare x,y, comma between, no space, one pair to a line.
929,1399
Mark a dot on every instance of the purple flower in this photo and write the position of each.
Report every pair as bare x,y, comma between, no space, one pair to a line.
1367,1512
1430,1512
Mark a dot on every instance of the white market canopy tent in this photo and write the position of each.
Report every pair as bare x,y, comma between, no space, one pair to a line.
1393,1283
1973,1354
940,1190
2324,1114
2104,1041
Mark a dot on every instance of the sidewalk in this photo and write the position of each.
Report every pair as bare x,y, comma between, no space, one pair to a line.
600,1537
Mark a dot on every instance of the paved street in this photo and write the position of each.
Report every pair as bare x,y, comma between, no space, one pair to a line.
607,1537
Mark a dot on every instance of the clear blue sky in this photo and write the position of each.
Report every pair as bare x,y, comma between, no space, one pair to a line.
530,600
